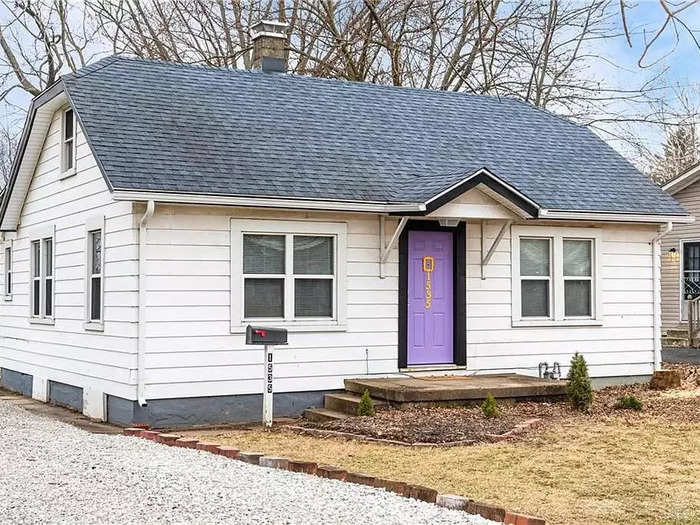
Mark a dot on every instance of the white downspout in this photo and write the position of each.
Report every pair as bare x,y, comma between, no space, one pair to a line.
656,280
141,344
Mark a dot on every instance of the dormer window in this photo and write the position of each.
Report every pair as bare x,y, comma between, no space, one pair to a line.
68,144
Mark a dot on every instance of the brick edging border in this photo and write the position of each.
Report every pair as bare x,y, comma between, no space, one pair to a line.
450,501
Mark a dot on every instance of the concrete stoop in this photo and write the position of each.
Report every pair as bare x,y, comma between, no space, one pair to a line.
338,406
432,391
674,337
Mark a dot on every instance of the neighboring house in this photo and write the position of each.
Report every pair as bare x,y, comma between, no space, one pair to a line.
156,209
680,253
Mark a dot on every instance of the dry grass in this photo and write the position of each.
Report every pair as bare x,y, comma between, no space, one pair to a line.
582,471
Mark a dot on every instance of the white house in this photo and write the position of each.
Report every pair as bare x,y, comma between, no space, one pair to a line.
156,209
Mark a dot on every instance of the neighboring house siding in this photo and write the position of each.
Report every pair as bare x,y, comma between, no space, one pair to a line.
191,351
65,352
671,268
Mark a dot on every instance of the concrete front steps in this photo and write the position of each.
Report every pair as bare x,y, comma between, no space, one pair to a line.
338,406
674,337
451,390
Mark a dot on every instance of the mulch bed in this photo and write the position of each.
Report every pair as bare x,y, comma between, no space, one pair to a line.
425,425
444,425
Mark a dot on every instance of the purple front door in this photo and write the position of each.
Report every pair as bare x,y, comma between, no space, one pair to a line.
430,289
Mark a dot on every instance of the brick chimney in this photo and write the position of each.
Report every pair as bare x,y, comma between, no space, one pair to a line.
270,50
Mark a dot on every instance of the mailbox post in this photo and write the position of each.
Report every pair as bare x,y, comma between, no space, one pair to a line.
269,337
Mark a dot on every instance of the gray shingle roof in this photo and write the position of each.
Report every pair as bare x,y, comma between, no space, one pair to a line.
168,127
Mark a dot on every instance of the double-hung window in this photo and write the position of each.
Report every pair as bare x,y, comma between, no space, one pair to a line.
287,272
8,272
536,277
68,144
578,277
555,276
42,279
95,276
94,272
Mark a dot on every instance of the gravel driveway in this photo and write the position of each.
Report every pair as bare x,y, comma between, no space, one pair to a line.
52,472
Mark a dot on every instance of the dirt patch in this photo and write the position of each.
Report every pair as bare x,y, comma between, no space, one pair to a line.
424,425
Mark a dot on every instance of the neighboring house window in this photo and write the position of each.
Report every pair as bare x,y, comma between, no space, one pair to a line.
42,282
95,276
556,275
8,272
68,144
288,272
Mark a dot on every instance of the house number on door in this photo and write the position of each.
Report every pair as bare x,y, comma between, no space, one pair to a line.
428,268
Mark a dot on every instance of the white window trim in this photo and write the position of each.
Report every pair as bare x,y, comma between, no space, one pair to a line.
68,172
338,230
41,235
8,293
557,236
96,223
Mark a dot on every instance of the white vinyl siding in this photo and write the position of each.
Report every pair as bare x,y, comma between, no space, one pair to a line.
621,345
65,352
193,352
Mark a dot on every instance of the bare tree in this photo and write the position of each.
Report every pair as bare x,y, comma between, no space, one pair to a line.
8,145
672,20
680,152
41,40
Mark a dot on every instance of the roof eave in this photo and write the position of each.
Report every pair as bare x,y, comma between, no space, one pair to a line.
683,181
575,215
267,201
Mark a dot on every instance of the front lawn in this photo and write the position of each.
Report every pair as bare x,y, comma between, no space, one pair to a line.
609,466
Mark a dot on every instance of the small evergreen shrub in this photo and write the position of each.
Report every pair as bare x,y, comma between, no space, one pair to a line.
366,406
628,403
579,390
489,407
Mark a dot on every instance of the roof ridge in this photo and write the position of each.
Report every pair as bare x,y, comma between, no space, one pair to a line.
312,78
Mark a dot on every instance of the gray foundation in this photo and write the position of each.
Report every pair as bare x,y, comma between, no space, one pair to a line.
66,395
16,381
199,411
602,382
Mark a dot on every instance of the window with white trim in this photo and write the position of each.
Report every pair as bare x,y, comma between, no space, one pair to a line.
536,277
578,277
68,143
95,276
8,271
288,272
42,281
555,275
